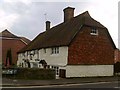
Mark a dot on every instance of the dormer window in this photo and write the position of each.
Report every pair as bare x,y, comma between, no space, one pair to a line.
94,31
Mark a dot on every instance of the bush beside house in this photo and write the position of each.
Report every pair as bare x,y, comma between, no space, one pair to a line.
34,73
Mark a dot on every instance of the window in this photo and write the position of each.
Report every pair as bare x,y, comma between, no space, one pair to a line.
55,50
23,54
94,31
52,67
36,51
22,64
31,56
44,50
56,69
48,66
28,52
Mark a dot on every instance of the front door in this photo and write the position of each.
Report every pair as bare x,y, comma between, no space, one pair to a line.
62,73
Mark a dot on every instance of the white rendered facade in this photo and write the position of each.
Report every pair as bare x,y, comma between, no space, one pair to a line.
59,61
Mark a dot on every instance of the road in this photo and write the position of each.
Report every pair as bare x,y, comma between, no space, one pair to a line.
82,86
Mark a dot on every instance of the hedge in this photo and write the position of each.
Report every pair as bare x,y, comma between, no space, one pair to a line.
32,73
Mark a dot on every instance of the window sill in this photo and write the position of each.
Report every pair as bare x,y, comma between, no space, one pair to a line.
54,55
94,34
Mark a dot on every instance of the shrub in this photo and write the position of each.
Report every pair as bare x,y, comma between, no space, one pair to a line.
33,73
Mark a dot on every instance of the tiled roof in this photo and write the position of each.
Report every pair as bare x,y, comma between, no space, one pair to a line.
25,40
62,34
7,34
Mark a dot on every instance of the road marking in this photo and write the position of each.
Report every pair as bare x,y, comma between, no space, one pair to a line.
63,85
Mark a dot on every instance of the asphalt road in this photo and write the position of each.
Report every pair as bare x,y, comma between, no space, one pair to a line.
115,85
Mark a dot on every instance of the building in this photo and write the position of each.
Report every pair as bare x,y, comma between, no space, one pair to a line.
12,44
78,47
117,55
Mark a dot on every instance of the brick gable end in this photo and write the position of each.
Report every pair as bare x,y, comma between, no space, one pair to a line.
91,49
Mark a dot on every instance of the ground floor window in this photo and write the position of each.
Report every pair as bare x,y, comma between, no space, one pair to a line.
48,66
22,64
35,65
56,69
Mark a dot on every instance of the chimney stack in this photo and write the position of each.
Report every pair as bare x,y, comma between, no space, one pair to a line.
68,13
47,25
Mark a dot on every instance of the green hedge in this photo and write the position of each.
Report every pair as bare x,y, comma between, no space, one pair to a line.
32,73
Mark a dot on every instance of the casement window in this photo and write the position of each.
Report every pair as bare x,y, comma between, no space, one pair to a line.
56,69
36,51
31,56
23,54
55,50
45,50
28,52
22,65
94,31
48,66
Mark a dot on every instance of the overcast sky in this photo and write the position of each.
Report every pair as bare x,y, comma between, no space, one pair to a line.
27,17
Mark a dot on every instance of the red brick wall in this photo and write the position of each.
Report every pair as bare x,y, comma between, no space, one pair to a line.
91,49
117,55
15,45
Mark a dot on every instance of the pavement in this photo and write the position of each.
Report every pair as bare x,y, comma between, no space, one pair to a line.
17,82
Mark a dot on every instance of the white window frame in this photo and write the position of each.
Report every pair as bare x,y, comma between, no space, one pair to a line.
23,54
45,51
94,31
56,68
55,50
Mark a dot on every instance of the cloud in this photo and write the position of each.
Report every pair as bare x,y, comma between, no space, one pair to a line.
6,21
11,12
27,2
26,17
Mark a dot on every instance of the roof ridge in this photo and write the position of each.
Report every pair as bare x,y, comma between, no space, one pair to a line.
7,33
63,33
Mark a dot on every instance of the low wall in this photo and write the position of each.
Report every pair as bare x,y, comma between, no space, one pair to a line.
89,70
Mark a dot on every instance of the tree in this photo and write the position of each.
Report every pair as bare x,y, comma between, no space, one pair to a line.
8,57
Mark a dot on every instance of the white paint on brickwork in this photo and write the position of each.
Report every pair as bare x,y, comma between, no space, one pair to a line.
89,70
59,59
31,57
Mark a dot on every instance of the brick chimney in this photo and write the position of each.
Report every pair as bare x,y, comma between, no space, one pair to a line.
68,13
47,25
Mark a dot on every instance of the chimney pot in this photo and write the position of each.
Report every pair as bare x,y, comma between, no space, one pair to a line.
68,13
47,25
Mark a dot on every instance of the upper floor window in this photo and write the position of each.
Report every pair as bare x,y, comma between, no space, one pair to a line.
45,50
55,50
94,31
23,54
28,52
36,51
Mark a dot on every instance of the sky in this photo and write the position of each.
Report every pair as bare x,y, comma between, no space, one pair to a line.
27,17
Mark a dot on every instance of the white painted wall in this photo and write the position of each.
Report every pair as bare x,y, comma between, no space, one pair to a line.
59,59
89,70
55,59
22,57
